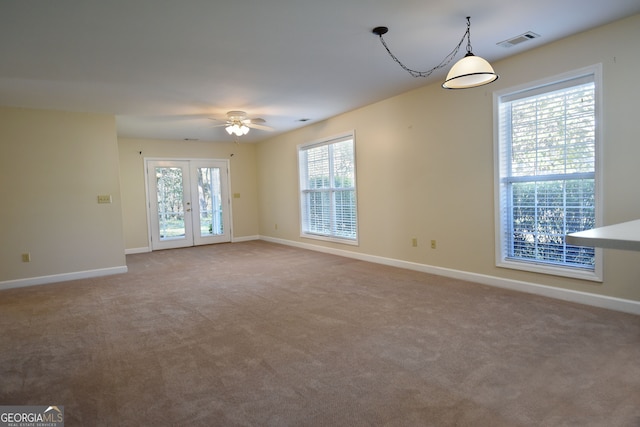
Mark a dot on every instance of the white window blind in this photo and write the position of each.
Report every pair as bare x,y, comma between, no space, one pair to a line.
547,180
328,189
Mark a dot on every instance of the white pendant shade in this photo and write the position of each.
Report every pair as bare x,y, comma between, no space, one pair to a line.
470,71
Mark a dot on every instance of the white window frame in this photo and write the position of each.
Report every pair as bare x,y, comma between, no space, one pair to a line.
501,246
302,173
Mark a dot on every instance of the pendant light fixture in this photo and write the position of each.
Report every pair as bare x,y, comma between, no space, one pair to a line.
470,71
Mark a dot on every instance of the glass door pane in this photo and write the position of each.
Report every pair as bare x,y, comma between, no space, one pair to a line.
211,209
170,203
170,210
210,201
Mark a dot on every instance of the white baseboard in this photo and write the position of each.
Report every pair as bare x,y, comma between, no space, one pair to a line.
244,239
602,301
148,249
137,250
42,280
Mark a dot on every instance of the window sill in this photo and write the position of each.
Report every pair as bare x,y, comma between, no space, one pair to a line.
352,242
534,267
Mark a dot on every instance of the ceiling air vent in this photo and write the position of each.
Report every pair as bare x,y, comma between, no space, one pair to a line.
529,35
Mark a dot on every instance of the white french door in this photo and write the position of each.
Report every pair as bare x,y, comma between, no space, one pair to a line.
188,202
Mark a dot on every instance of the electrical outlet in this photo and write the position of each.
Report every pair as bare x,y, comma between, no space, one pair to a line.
276,226
414,242
433,244
26,257
104,198
236,195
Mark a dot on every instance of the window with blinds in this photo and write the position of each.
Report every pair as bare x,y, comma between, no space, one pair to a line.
547,182
328,189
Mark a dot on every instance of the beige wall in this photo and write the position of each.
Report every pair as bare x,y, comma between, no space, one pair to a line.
425,165
242,161
53,165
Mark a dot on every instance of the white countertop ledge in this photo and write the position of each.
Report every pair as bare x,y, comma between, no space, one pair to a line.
625,236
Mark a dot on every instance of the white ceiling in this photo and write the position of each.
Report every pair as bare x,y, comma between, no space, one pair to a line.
163,67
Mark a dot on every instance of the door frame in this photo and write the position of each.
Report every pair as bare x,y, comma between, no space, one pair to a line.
196,160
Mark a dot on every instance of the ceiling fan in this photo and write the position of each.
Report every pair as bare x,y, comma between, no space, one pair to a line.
238,124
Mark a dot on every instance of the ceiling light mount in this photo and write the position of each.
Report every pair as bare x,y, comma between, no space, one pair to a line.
379,31
470,71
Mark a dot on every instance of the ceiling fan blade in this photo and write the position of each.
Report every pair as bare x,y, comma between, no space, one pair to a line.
261,127
174,118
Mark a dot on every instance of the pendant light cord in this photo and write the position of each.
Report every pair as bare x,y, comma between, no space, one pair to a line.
446,61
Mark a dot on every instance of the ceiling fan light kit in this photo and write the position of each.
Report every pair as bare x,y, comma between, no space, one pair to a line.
237,130
470,71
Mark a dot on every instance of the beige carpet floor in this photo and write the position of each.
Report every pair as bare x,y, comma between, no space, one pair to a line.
259,334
